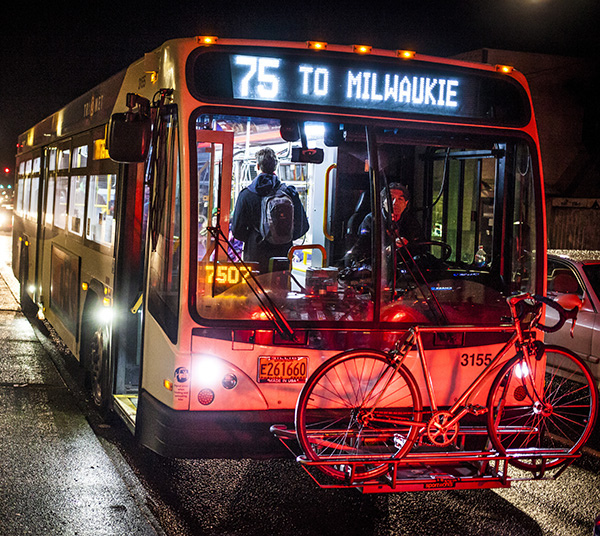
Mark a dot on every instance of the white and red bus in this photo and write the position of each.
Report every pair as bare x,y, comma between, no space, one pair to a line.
124,201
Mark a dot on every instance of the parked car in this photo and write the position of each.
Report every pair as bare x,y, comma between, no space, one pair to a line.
572,272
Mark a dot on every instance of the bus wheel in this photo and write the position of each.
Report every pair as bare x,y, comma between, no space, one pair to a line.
97,379
27,305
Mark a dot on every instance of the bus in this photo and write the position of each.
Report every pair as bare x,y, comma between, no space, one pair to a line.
123,240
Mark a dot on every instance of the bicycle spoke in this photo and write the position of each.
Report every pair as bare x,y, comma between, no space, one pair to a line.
559,417
347,409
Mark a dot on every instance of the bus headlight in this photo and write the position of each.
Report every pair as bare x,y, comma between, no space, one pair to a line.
104,315
208,371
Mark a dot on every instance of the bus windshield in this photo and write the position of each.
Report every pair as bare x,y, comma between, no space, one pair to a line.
404,227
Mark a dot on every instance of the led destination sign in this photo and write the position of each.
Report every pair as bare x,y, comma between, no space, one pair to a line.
278,79
388,86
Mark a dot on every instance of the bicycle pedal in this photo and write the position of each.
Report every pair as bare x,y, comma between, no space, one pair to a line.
477,409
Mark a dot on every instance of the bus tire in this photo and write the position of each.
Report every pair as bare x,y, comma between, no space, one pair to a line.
27,305
96,366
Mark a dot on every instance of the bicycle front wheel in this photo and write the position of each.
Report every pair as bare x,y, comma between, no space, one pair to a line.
358,406
537,417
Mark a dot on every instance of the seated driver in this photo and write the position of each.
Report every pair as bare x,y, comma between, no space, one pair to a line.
403,225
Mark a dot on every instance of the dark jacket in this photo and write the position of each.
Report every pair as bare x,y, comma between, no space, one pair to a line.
246,220
406,227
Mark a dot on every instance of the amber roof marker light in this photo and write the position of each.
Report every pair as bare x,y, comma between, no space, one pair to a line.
206,40
506,69
316,45
362,49
406,54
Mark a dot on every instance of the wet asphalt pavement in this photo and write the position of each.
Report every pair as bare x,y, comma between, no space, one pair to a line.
65,472
55,476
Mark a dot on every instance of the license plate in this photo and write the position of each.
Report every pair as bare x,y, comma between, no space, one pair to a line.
282,369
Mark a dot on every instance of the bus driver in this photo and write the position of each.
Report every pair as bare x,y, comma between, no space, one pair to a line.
403,225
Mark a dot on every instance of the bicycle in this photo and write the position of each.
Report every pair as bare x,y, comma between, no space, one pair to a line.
362,409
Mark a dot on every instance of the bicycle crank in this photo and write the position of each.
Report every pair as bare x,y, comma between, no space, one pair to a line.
441,431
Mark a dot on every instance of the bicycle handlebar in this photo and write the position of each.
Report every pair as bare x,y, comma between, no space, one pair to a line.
563,314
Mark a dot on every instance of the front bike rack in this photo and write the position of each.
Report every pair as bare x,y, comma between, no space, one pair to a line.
427,471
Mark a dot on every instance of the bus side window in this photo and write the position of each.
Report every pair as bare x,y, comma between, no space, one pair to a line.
100,223
76,204
26,196
35,185
33,199
20,189
50,201
60,206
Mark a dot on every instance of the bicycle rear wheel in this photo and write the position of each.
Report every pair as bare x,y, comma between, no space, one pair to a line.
358,406
551,409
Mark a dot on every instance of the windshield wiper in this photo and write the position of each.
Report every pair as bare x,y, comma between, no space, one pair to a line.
268,306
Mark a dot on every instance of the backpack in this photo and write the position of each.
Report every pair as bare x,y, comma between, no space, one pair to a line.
277,217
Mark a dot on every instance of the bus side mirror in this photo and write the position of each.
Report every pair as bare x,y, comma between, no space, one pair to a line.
129,137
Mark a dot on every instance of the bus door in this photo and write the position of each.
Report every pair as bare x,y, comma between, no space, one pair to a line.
154,213
132,206
463,186
47,214
215,160
36,216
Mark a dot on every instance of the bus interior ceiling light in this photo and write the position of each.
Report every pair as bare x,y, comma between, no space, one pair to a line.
314,130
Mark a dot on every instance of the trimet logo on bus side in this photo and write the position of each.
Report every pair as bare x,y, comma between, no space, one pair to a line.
93,105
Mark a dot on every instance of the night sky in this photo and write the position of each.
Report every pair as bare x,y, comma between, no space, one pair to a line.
51,54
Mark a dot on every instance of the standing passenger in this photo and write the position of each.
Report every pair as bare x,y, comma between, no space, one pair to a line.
248,218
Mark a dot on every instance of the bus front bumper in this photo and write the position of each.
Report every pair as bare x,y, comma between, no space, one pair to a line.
209,434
